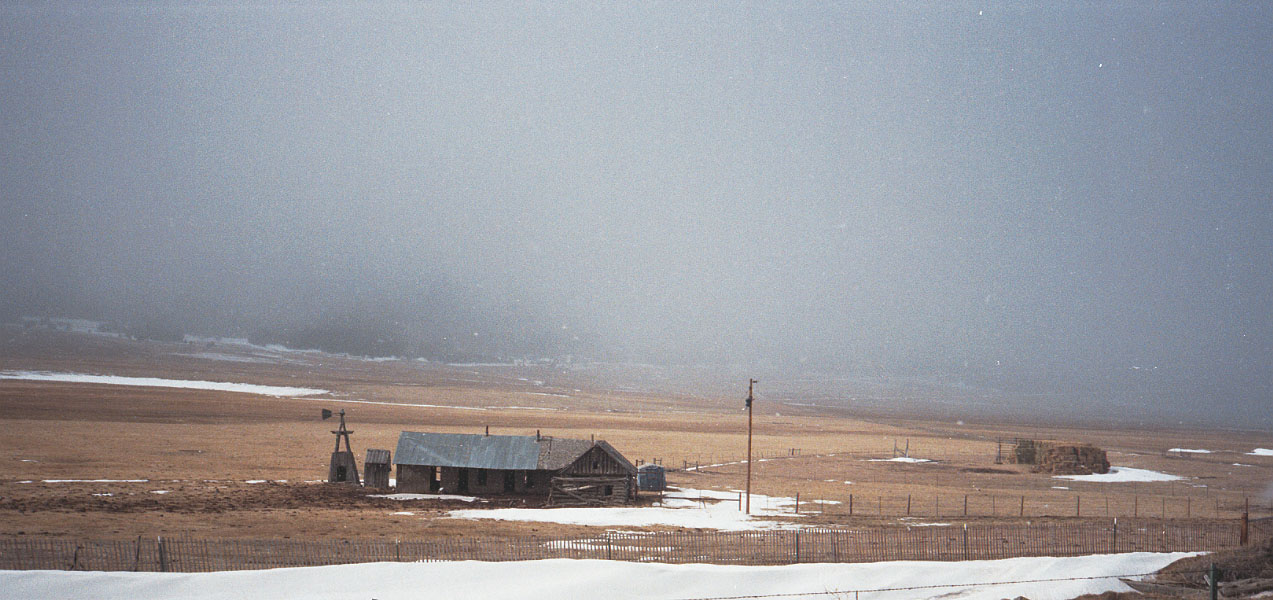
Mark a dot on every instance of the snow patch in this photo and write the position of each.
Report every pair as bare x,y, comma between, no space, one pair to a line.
564,578
900,459
1261,452
681,507
1190,450
1122,475
220,386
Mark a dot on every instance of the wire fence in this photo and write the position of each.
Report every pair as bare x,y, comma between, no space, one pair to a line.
1060,501
972,541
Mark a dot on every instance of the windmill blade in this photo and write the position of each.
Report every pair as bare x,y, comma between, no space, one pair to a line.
327,414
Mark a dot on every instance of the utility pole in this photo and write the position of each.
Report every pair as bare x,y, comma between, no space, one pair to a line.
750,398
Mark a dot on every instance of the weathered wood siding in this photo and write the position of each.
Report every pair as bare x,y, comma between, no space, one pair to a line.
416,479
596,462
595,478
377,476
343,468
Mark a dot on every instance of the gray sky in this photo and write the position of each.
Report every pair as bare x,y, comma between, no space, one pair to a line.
1029,197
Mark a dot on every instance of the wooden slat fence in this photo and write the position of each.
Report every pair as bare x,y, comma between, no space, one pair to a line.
944,543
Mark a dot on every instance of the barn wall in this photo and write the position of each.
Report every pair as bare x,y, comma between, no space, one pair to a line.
415,479
538,483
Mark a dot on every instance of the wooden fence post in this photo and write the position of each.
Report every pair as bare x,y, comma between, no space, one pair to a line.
797,502
850,505
163,556
965,541
1246,522
1135,506
1022,506
965,511
1078,505
137,555
1113,544
908,505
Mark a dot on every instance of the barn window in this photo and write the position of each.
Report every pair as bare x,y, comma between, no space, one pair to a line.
609,490
481,476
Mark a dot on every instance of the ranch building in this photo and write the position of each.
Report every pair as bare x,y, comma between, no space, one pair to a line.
565,471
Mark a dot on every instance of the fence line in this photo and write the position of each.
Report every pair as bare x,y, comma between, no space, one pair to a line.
1031,504
967,542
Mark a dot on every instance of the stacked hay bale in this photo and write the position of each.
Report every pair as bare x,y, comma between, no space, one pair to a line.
1059,458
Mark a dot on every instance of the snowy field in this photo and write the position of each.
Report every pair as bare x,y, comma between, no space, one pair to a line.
220,386
1122,475
681,507
1048,579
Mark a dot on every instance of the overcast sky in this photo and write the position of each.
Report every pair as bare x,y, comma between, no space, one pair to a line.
1014,194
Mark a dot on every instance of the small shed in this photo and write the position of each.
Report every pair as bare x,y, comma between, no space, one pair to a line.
651,478
377,467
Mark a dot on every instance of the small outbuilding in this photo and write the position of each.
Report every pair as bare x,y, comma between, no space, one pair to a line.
651,478
566,471
377,468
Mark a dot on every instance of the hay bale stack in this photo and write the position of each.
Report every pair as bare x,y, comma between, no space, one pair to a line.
1059,458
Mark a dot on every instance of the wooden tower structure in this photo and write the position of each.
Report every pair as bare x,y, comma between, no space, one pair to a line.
343,467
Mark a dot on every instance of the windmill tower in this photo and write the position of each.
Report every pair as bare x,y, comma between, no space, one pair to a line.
343,468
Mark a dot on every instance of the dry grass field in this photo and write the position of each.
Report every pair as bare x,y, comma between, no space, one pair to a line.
204,449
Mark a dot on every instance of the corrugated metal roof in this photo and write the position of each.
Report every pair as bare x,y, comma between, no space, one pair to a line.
377,457
512,452
468,451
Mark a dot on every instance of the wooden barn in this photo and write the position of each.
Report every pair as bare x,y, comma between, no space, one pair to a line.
566,471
